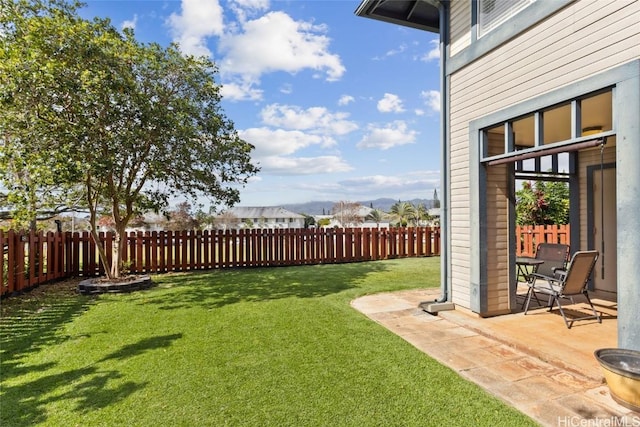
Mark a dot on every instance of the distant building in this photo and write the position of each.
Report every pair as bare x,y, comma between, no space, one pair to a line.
263,217
434,214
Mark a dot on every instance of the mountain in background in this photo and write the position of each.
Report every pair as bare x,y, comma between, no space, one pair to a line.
324,207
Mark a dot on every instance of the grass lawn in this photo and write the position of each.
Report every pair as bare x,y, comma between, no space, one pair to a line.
259,347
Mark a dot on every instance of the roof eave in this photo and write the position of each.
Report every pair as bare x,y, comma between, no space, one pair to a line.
419,14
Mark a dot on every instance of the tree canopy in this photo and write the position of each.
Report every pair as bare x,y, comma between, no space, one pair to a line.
132,124
542,203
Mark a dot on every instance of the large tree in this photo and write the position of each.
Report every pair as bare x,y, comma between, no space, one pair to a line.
36,183
136,124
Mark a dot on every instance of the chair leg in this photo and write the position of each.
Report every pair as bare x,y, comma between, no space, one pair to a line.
528,300
595,313
568,322
528,296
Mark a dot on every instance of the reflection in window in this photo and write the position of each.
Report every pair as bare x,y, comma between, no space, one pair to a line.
557,124
546,163
596,113
523,130
494,138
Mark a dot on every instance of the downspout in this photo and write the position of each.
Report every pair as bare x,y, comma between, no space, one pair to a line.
443,301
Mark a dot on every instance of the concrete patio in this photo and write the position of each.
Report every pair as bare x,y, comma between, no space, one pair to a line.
531,362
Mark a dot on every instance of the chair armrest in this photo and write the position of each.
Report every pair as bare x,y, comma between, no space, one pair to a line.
551,279
560,273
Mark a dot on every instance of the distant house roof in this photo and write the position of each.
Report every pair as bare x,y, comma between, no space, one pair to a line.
263,212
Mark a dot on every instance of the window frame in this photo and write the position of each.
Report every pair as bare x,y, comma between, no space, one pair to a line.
498,19
539,146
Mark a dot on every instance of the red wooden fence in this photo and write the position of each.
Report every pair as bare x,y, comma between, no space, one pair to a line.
35,258
529,236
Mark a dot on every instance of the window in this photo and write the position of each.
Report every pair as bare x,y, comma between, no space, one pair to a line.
492,13
494,138
524,132
541,140
556,124
596,113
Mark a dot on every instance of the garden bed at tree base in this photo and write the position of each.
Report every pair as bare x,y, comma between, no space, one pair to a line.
124,285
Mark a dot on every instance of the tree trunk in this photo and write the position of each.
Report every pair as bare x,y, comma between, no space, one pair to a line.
118,248
102,253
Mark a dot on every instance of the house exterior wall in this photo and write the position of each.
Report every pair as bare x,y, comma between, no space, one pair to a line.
497,240
578,40
460,28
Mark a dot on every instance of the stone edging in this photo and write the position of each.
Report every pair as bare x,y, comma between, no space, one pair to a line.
100,286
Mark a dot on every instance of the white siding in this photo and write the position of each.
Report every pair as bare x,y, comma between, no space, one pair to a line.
585,38
460,28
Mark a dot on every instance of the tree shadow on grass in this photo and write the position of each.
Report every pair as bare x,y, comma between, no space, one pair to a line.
87,388
142,346
84,389
31,322
218,288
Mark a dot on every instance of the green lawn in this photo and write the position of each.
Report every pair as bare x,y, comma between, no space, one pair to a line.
261,347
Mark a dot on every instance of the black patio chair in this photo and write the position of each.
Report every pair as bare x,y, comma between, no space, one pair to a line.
568,284
554,257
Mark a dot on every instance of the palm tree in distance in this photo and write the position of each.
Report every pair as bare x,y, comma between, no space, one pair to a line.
402,213
376,216
422,214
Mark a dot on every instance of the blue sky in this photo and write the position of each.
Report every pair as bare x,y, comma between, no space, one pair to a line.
338,107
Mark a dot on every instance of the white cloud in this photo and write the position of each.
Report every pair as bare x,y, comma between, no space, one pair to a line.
275,42
431,99
346,99
419,112
381,184
393,134
250,47
403,186
392,52
279,142
390,103
130,23
313,119
199,19
247,8
286,89
242,91
277,165
434,53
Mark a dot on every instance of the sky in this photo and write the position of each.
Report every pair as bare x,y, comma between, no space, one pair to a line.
338,107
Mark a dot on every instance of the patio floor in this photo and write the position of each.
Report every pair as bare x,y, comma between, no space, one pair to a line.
532,362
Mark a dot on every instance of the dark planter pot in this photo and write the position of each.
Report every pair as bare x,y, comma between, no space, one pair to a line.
622,371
